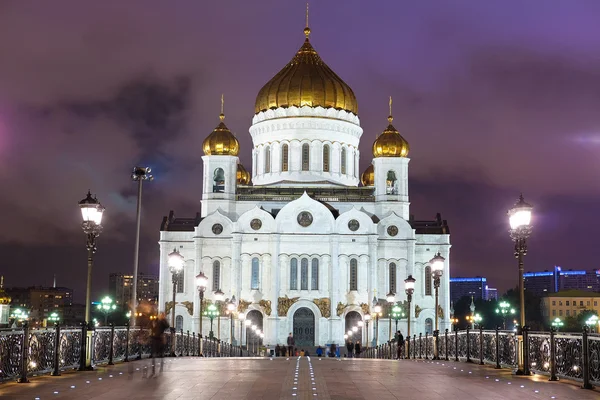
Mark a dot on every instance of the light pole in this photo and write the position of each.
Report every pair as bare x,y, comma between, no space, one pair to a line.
201,283
241,318
139,175
592,322
230,309
360,326
391,299
377,310
175,266
505,309
247,324
91,211
409,289
477,320
437,270
557,323
211,313
106,306
54,318
519,218
397,314
219,297
367,318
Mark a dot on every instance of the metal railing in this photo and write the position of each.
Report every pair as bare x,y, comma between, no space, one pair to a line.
559,355
25,352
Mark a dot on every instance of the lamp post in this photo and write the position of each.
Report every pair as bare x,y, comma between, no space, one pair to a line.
211,313
519,218
557,323
139,175
504,309
106,306
360,326
592,322
201,283
377,310
397,314
437,270
175,266
391,299
54,318
367,318
230,309
18,316
477,320
241,318
409,289
91,211
219,297
247,324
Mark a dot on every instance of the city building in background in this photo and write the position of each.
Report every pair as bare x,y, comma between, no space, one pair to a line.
470,287
40,301
569,303
542,283
120,287
4,305
72,314
491,293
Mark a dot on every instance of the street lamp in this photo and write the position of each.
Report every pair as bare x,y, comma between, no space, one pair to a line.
241,318
477,319
106,306
175,262
409,289
397,314
219,297
557,323
377,310
391,299
505,309
519,218
201,284
437,270
211,313
18,316
139,175
53,317
230,309
592,321
247,324
367,318
91,211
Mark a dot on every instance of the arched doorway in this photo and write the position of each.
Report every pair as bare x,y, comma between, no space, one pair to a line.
257,319
304,327
352,319
429,326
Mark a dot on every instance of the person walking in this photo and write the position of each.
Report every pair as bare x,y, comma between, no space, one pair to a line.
158,327
357,349
400,342
290,345
350,348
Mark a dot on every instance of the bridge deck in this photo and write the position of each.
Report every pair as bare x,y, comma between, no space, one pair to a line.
194,378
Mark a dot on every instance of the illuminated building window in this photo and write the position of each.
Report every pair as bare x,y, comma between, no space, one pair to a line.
427,279
305,157
326,158
353,274
343,161
314,278
294,274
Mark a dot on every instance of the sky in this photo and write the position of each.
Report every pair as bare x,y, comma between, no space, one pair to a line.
495,99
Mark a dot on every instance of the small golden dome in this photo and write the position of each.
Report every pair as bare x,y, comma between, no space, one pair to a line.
306,81
368,177
243,176
221,142
390,143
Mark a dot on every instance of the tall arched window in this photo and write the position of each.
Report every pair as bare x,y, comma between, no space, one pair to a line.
427,279
218,180
343,161
284,157
179,283
254,274
429,326
314,277
304,274
294,274
305,157
392,277
353,274
326,158
179,322
216,276
267,160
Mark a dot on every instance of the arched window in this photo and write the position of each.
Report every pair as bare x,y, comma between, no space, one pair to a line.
392,277
267,160
427,279
353,274
326,158
343,161
429,326
179,283
254,274
179,322
391,183
314,277
216,276
284,157
219,180
305,157
294,274
304,274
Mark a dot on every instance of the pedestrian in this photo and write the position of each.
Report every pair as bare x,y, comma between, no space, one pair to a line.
302,353
277,350
319,351
290,345
357,349
400,342
157,337
332,351
350,348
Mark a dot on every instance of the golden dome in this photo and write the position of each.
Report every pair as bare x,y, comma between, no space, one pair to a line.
306,81
221,142
368,177
390,143
243,176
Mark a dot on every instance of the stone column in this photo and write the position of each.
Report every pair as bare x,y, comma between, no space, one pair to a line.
244,288
235,278
363,273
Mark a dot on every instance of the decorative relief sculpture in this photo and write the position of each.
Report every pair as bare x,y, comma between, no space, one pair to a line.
340,308
266,305
256,224
217,229
189,305
169,306
305,218
392,230
324,305
417,310
243,305
284,304
440,312
365,308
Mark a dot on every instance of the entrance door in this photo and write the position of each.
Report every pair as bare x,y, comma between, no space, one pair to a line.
304,327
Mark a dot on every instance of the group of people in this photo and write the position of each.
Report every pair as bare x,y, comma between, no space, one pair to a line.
354,349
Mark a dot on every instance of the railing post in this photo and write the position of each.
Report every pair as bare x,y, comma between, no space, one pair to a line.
56,371
200,345
427,345
112,342
456,344
553,376
127,344
586,360
468,345
480,345
139,335
446,343
498,366
83,346
526,364
420,345
187,344
24,354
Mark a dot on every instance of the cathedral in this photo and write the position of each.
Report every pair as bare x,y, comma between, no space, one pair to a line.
302,242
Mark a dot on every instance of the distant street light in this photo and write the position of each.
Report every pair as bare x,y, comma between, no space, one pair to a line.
53,317
219,297
437,270
391,299
409,289
106,306
505,310
230,310
477,319
176,263
557,323
397,314
212,312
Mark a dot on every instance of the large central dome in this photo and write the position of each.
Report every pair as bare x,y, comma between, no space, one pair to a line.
306,81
